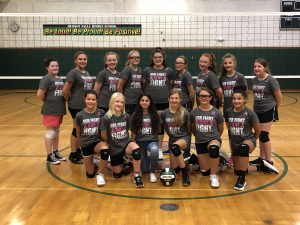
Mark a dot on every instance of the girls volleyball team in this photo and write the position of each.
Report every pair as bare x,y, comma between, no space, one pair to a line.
108,125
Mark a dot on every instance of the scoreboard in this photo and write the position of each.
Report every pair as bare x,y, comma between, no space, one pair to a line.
290,22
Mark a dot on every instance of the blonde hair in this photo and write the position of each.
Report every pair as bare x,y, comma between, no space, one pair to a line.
129,55
179,114
111,110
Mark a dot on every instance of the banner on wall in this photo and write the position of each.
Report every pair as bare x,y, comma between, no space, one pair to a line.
92,29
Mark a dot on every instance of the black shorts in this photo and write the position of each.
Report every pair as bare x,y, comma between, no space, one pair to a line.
161,106
88,150
117,160
73,112
269,116
130,108
202,148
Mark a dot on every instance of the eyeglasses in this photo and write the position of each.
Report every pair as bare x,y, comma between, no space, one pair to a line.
179,63
135,57
204,96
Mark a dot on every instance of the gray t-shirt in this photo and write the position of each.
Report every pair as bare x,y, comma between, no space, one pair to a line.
158,83
109,83
54,103
228,83
80,82
146,133
241,124
206,124
117,132
263,90
89,124
175,132
181,83
133,85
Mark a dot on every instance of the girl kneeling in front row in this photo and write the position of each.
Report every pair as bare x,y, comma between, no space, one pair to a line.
114,130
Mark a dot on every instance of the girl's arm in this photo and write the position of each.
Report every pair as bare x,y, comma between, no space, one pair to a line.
219,95
191,94
278,97
77,132
41,94
221,128
66,90
104,135
120,86
97,87
257,130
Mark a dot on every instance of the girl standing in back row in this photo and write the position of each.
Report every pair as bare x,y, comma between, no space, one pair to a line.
267,100
53,110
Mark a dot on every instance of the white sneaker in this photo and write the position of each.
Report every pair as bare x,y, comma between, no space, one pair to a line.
100,180
153,178
214,181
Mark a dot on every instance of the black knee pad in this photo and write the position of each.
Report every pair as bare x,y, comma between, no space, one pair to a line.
175,149
264,136
177,170
136,154
205,173
90,175
243,150
117,175
104,154
214,151
74,132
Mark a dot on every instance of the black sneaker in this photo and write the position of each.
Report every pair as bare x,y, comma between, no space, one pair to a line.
186,180
268,167
255,162
51,159
58,156
138,182
240,183
74,158
79,153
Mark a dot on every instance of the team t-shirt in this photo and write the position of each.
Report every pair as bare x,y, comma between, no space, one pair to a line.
206,124
81,81
263,90
109,83
181,83
89,124
158,83
133,85
54,103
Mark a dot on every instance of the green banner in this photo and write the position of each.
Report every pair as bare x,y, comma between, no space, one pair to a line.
92,29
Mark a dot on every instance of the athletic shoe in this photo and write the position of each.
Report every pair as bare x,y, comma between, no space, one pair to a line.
138,182
58,156
153,178
52,160
79,153
186,180
256,162
100,180
268,167
160,154
240,183
74,158
214,181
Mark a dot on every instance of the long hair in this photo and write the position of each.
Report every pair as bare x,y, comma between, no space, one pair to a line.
137,118
159,50
179,114
129,55
264,63
212,59
227,56
111,110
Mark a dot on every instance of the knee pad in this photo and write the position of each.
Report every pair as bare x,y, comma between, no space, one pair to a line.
90,175
117,175
104,154
177,170
243,150
175,149
50,134
74,132
214,151
264,136
136,154
205,172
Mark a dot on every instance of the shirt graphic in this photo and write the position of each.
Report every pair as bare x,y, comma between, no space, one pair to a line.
158,79
118,131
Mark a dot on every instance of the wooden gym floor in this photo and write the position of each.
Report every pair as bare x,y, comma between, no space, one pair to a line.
33,192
